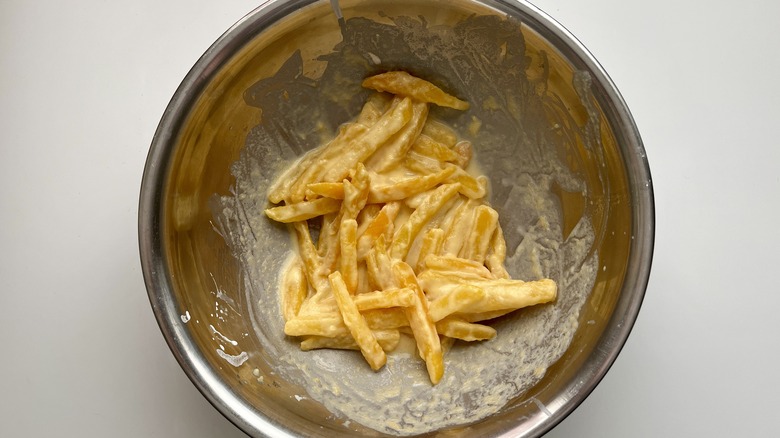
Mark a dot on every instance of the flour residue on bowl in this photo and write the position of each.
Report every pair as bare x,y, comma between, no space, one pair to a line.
483,58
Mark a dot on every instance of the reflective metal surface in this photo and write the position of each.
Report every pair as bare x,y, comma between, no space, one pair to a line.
187,265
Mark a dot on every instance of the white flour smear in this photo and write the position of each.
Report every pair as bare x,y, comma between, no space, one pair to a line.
524,167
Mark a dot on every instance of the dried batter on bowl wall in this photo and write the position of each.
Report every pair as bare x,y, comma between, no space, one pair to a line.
483,61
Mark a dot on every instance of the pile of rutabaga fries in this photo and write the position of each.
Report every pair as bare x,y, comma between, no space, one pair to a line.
406,241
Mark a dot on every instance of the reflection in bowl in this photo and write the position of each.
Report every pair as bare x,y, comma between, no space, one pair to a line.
567,174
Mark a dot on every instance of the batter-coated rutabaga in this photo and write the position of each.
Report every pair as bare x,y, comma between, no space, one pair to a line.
407,242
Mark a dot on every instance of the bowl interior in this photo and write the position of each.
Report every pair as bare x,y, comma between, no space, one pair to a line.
563,129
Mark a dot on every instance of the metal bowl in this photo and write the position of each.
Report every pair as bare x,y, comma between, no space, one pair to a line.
544,116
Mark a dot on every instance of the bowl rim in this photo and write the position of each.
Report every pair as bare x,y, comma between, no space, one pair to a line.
157,276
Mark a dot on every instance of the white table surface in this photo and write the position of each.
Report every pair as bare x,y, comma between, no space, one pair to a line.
84,83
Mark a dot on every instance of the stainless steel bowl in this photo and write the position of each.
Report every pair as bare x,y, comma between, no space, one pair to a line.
571,114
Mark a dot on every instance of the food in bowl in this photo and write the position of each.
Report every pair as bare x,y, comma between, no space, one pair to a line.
567,174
